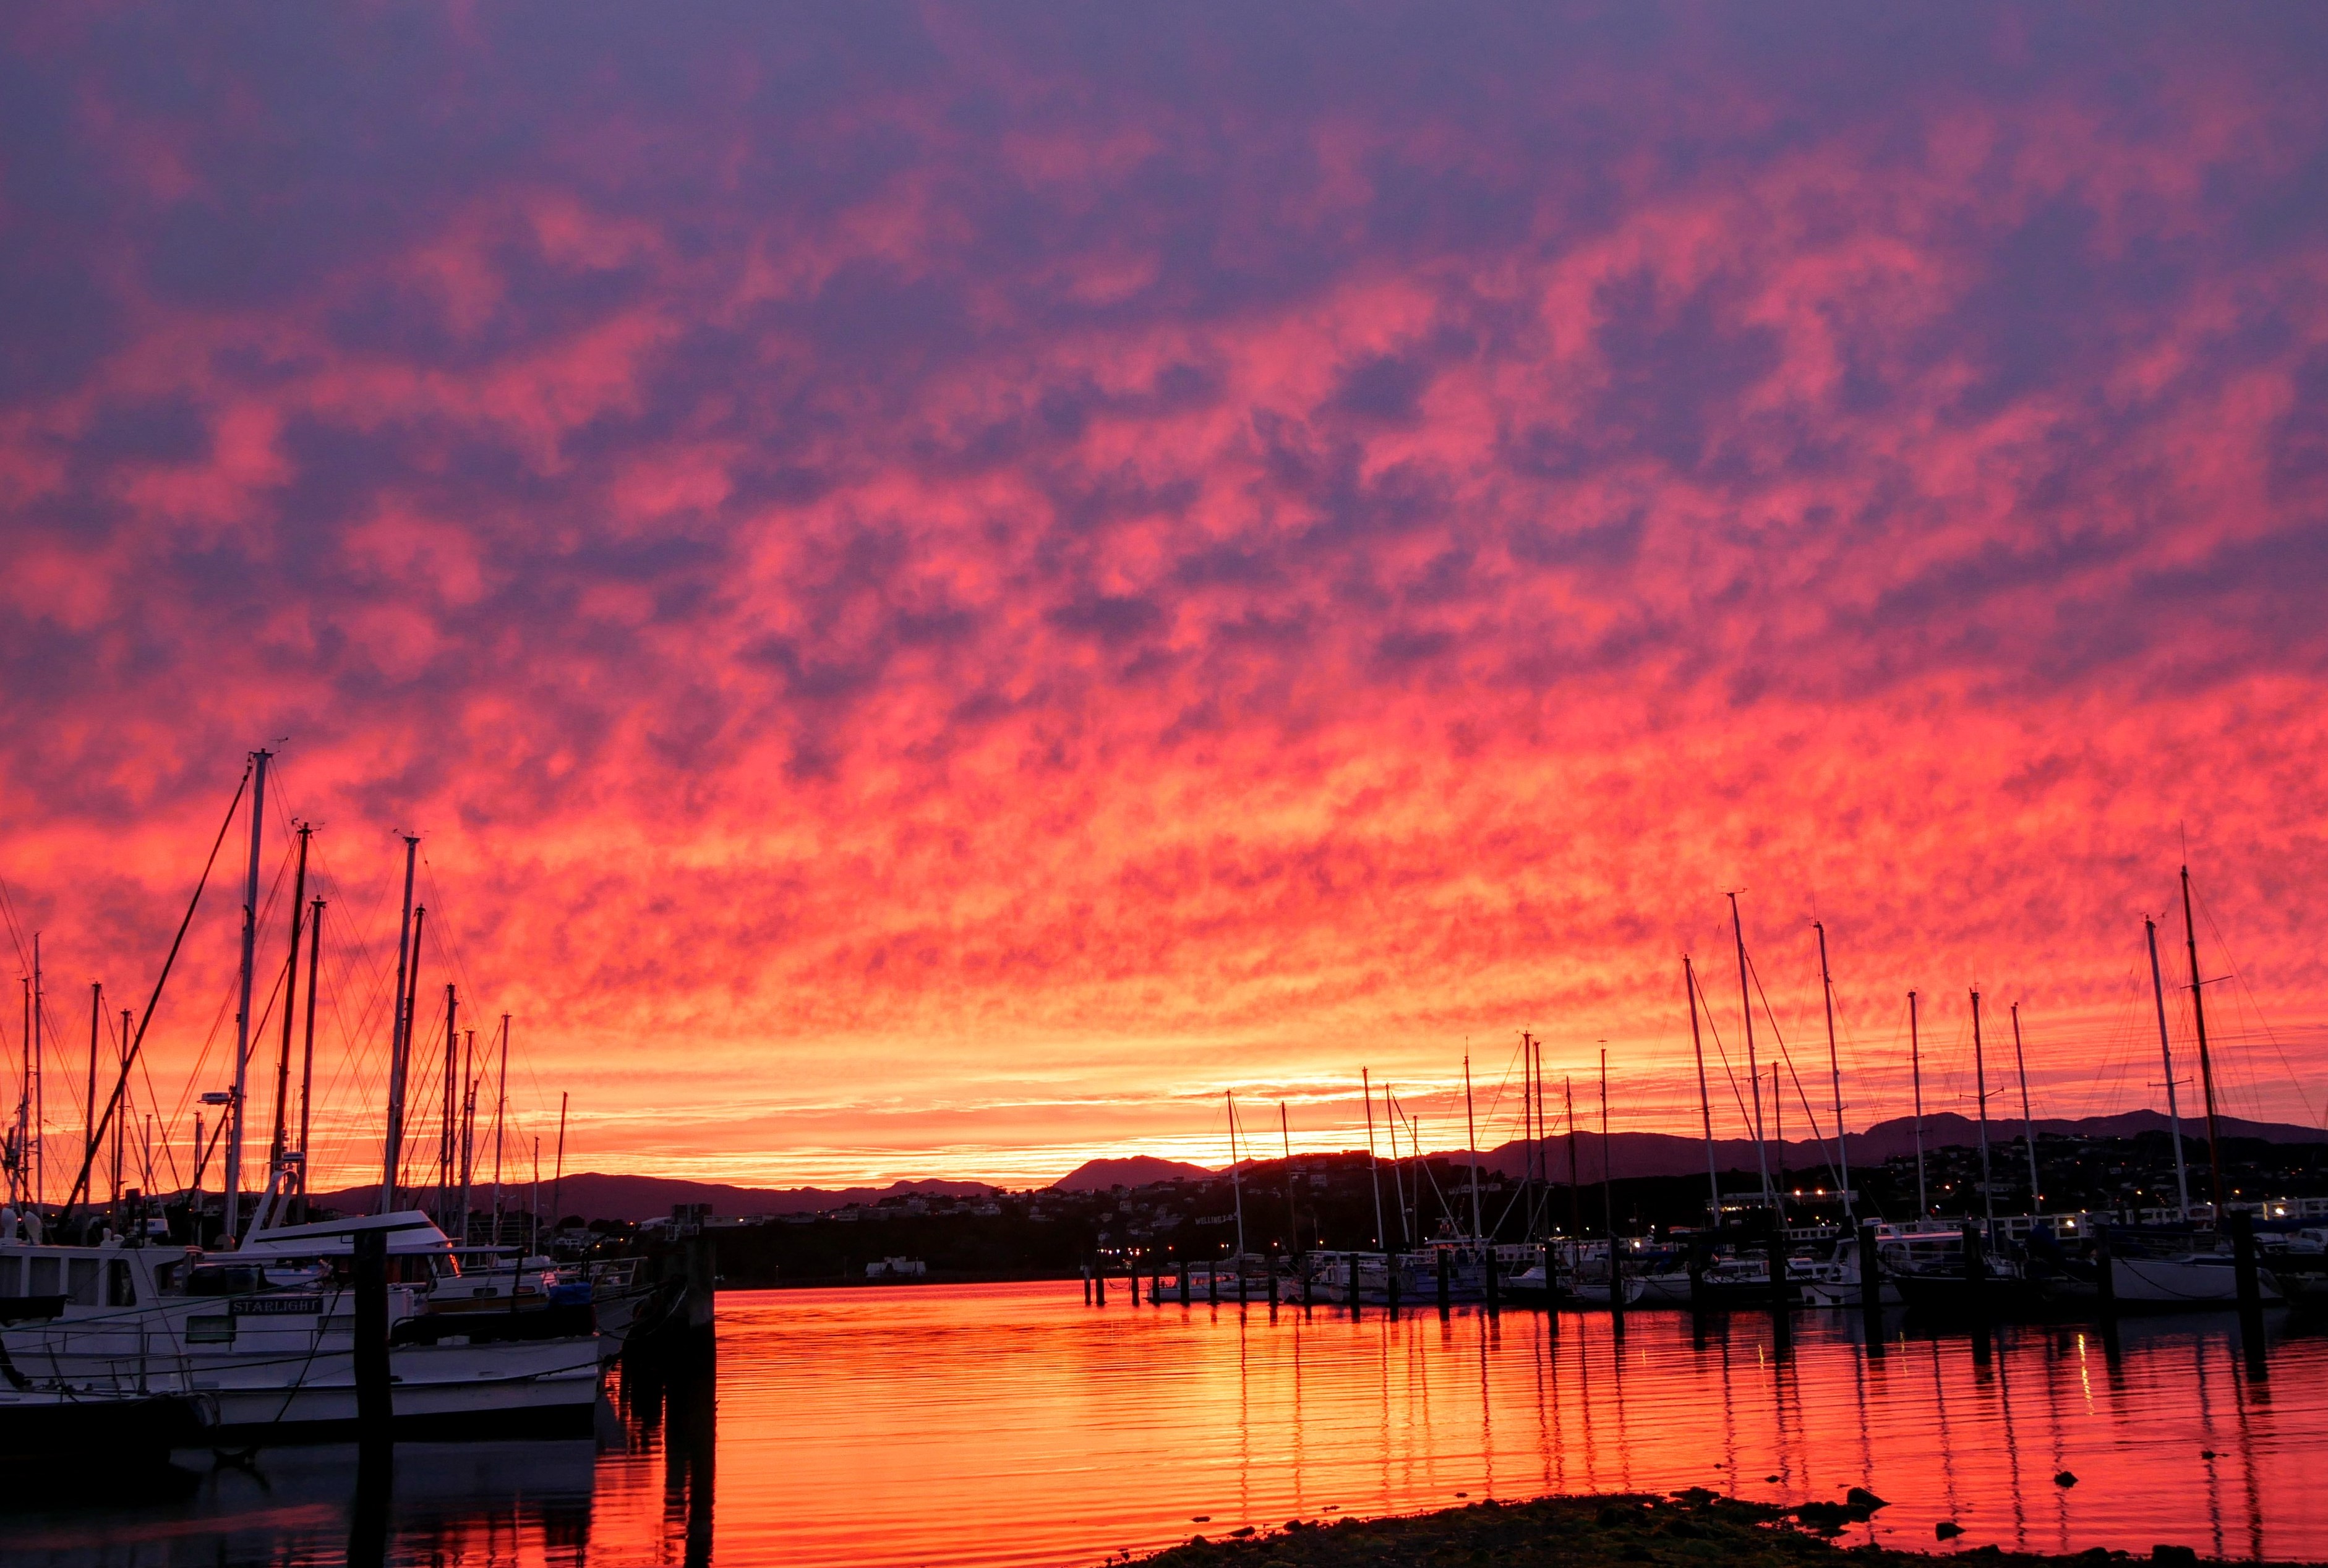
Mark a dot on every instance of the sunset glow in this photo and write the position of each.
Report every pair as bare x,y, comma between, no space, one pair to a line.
944,586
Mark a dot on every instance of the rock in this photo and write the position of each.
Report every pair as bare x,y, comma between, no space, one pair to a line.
2167,1552
2206,1453
1861,1498
1241,1532
1947,1530
1824,1518
1200,1519
1771,1481
2065,1479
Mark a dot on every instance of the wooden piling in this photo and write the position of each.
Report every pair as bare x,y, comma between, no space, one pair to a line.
2105,1292
2250,1290
1446,1282
1616,1285
1390,1284
1871,1290
1774,1251
1183,1282
1088,1284
1099,1282
375,1408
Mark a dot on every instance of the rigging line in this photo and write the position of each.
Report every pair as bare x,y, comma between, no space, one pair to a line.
2263,1021
1744,1115
1825,1154
168,962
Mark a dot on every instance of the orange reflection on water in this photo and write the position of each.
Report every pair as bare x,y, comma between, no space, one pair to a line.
1013,1424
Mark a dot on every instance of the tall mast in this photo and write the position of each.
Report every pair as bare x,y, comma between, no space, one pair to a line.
1575,1203
1471,1136
558,1171
1779,1137
19,1183
95,1013
1236,1175
1835,1070
1608,1179
307,1052
1916,1073
392,1153
445,1142
1980,1092
1292,1220
1527,1136
1753,1071
242,1019
2028,1123
36,1135
1374,1166
275,1145
2166,1055
1398,1180
501,1110
2206,1063
1704,1101
1543,1155
119,1121
468,1126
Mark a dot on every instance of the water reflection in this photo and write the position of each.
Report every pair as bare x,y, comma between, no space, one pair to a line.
1015,1424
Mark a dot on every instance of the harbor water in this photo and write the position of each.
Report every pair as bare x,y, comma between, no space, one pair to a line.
1014,1425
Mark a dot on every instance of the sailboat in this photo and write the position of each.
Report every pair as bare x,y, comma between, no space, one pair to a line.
258,1336
2168,1270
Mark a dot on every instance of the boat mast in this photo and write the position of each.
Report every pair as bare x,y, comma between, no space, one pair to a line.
1980,1091
468,1126
391,1155
1543,1153
1608,1180
121,1120
96,1013
1293,1217
2206,1064
1471,1136
307,1052
2027,1126
501,1110
1575,1203
1916,1075
1397,1182
1753,1071
1779,1137
1835,1070
20,1137
1704,1102
2166,1055
1374,1166
558,1171
1236,1175
36,1137
242,1019
447,1136
1527,1137
276,1143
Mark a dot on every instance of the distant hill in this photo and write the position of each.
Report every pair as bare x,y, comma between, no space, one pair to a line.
1138,1171
1664,1154
594,1195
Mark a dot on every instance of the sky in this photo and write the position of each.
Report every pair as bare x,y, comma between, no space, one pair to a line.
946,585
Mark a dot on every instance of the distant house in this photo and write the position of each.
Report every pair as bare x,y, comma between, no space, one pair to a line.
896,1268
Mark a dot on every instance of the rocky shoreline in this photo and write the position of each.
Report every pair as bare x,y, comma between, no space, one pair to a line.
1682,1530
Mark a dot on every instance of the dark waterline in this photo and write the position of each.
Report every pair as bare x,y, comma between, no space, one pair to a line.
1012,1424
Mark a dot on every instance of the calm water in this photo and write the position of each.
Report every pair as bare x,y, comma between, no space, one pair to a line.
1012,1424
